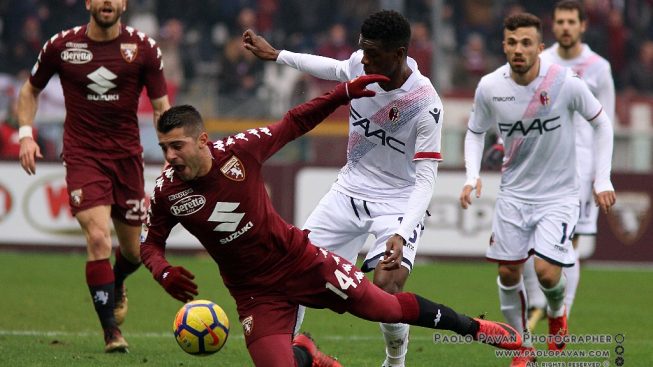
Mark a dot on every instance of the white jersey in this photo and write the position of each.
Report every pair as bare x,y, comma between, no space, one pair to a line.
596,72
536,124
387,132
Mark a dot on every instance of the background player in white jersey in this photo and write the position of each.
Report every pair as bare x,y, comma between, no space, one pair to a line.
569,24
392,154
532,102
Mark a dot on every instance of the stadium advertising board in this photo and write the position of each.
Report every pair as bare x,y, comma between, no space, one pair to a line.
34,210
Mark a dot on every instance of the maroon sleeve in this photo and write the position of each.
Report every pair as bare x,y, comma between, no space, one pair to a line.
153,73
296,122
158,226
47,64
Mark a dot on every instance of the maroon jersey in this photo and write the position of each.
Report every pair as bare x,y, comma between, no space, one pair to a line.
229,210
101,83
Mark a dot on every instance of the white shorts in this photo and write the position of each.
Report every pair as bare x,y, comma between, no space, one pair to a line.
589,212
520,229
341,224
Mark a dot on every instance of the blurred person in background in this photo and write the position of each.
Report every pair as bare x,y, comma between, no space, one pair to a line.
569,24
103,66
638,76
473,62
392,158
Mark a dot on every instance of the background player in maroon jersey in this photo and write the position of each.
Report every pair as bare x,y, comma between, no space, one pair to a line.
103,67
215,191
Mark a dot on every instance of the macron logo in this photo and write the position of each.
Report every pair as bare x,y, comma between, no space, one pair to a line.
101,78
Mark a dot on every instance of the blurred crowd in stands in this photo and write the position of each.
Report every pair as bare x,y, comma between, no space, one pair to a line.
206,65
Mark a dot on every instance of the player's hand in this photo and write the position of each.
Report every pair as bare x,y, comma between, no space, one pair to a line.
356,88
394,248
493,158
29,151
466,194
605,200
259,46
178,282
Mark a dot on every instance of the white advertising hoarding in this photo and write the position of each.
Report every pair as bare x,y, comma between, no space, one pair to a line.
34,209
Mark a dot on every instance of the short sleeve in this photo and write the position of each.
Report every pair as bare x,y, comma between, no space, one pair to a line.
480,118
429,134
581,99
47,64
153,70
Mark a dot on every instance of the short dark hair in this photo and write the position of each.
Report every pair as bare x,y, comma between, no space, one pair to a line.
184,116
571,5
523,20
387,26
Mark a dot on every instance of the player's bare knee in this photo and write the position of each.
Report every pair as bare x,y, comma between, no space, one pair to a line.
509,274
391,281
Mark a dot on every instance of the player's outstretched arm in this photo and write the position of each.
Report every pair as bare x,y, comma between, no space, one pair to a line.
29,150
259,46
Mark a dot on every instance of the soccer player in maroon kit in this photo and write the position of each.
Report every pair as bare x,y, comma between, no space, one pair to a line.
215,191
103,66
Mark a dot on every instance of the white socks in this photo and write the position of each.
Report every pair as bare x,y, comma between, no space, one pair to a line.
396,343
301,311
573,277
535,296
514,304
555,297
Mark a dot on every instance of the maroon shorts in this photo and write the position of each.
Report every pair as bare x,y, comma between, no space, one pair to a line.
101,181
326,281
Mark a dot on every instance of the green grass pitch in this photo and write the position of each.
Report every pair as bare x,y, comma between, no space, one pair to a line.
46,317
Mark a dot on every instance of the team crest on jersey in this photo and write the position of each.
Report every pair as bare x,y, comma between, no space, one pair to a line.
393,115
129,51
248,325
76,197
630,216
233,169
544,98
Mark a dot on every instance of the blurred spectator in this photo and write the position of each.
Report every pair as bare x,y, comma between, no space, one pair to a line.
638,76
616,43
336,45
474,62
421,48
170,39
239,79
25,49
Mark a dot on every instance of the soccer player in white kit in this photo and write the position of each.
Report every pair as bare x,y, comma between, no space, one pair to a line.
532,102
569,24
392,158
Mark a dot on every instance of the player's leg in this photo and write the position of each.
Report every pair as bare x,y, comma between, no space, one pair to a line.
554,251
336,225
268,323
586,226
90,199
385,222
334,283
128,214
127,262
99,275
509,247
536,299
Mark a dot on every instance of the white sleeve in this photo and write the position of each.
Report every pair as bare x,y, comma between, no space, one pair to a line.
605,93
318,66
603,144
418,202
474,144
429,133
480,120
